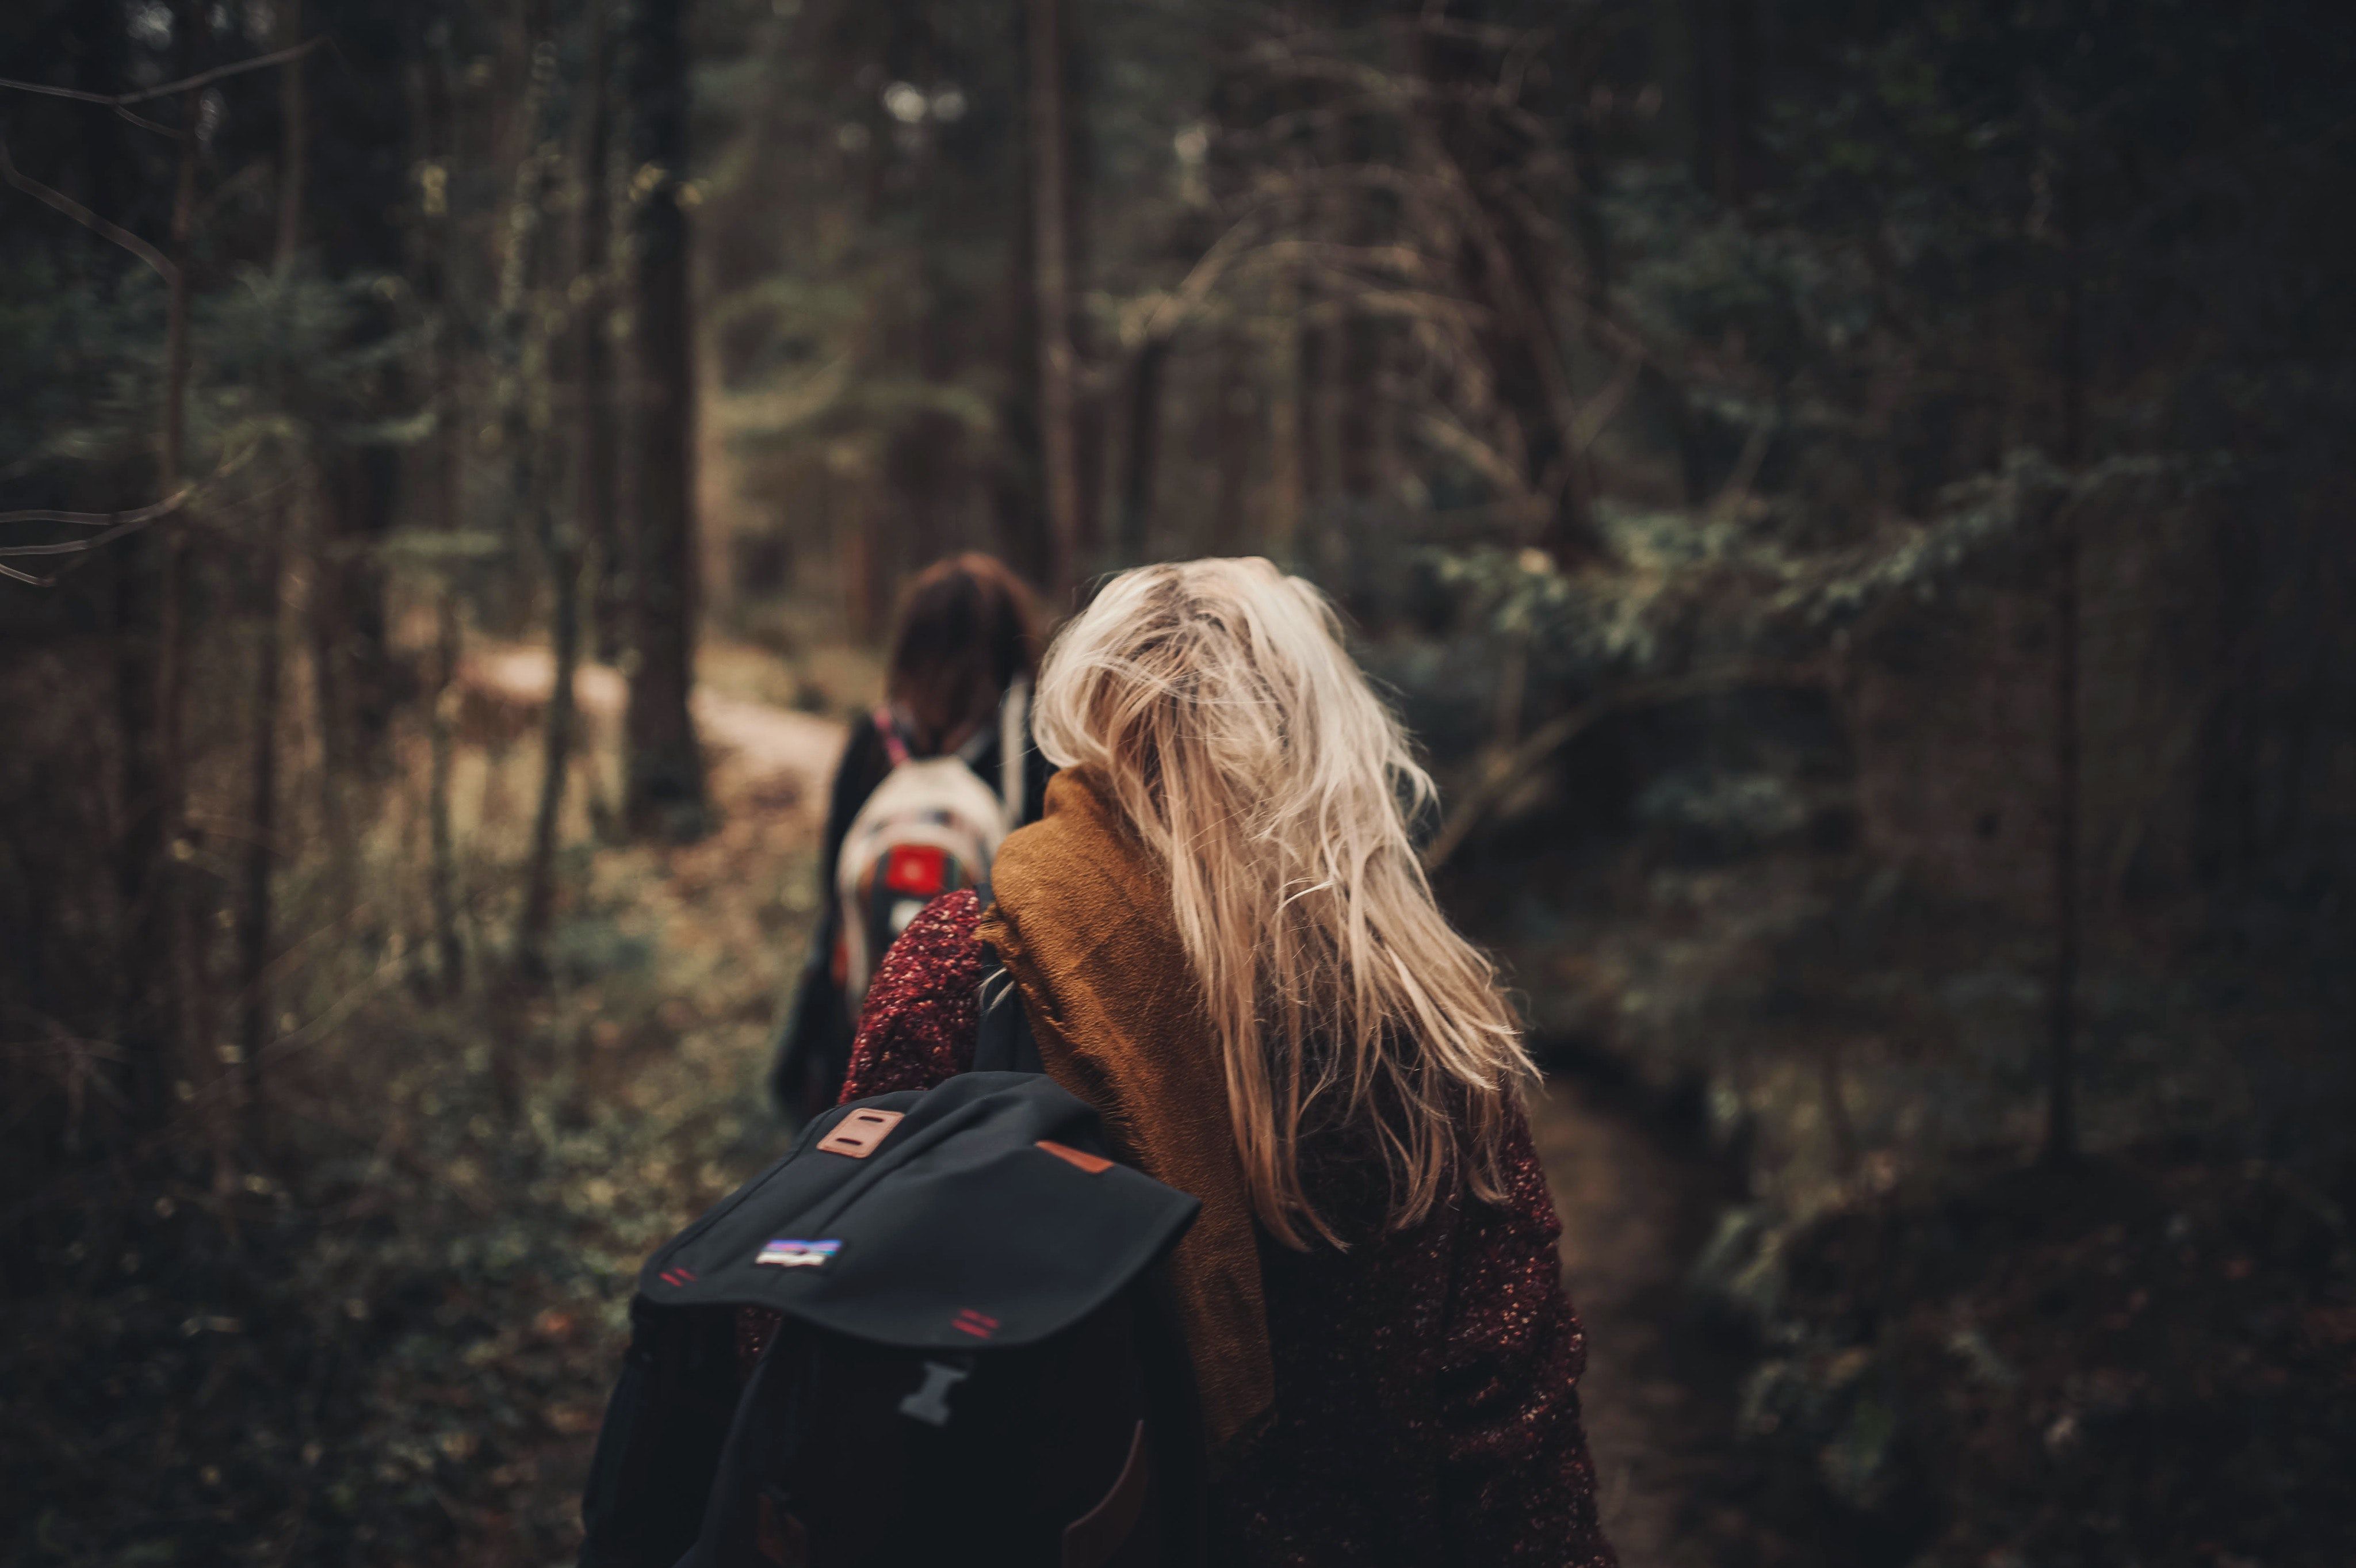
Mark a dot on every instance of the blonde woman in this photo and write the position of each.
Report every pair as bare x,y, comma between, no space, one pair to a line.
1223,940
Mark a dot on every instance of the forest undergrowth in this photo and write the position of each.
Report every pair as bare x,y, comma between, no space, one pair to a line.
1853,498
383,1332
1952,1354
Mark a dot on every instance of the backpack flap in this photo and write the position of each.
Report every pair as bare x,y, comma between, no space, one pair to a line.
976,1233
982,1213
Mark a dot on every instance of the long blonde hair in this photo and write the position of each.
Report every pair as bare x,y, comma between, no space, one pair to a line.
1217,702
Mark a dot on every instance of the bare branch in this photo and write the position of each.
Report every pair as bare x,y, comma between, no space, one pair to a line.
1499,469
112,526
70,519
1171,312
1605,404
68,547
1728,503
86,217
1506,770
186,84
77,94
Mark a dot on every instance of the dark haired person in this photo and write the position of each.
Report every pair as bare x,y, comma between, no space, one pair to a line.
964,652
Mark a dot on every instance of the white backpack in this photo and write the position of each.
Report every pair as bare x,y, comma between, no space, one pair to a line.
932,827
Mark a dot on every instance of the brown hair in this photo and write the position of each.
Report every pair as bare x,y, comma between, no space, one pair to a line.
967,627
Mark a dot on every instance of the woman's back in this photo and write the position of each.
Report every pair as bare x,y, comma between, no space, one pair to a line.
1223,942
1425,1403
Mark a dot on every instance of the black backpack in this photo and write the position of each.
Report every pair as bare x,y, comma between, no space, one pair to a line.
975,1362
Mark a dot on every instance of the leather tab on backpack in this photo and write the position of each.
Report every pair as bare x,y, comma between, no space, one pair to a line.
861,1134
1094,1539
1095,1165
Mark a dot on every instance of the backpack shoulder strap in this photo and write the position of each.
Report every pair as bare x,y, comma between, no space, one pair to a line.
664,1431
1014,738
1004,1043
740,1521
888,729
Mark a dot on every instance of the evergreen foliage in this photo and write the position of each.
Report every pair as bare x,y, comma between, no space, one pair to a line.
1852,500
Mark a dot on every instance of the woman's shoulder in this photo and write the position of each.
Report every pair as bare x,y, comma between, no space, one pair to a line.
862,765
872,746
944,934
916,1027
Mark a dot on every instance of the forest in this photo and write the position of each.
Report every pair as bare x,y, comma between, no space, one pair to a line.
1852,502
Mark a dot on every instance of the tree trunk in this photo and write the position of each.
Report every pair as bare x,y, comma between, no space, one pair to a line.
1016,485
1141,450
1359,412
2062,1115
1724,36
526,345
1233,423
666,793
326,704
600,461
441,870
295,149
357,639
560,539
559,545
262,845
1288,425
143,956
133,855
1832,1088
2061,1107
1052,285
144,953
434,116
149,694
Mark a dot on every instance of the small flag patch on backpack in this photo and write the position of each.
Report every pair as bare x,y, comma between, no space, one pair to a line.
786,1252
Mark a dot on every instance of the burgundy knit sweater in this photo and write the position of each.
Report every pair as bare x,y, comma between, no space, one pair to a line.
1427,1403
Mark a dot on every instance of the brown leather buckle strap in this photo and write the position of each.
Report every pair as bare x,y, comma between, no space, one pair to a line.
861,1134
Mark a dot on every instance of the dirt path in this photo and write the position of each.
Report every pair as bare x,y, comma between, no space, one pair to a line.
770,754
1659,1393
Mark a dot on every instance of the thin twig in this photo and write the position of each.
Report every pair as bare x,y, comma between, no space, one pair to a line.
1728,503
94,519
1507,769
86,217
1170,311
201,1099
1605,404
186,84
124,522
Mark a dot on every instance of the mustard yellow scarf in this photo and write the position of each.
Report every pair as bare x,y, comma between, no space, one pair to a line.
1082,922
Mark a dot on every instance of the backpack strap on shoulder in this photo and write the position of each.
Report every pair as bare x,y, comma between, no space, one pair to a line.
1004,1043
976,748
887,726
1013,745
